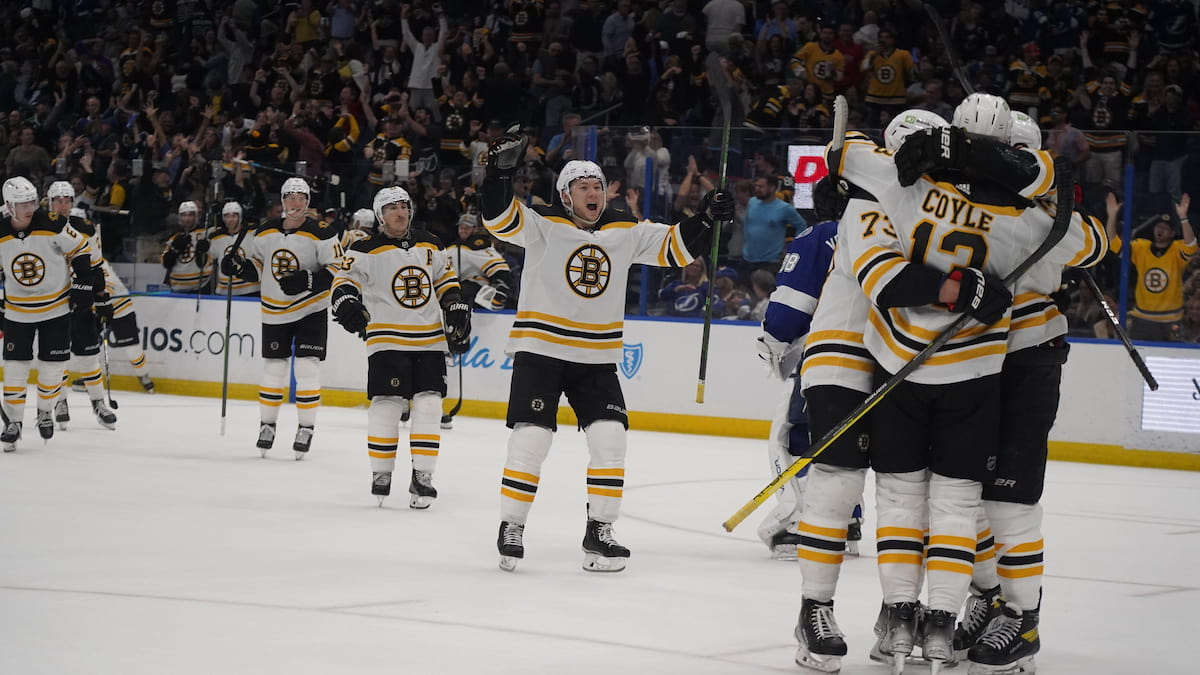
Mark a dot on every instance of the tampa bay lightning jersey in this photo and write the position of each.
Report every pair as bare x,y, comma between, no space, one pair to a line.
799,281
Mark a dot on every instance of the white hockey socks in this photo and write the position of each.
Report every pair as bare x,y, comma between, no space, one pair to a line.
953,509
50,382
425,431
606,469
383,425
271,389
1019,555
984,577
528,446
89,370
16,377
901,501
308,390
829,497
136,357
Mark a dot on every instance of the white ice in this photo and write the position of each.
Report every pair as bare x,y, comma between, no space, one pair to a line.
163,548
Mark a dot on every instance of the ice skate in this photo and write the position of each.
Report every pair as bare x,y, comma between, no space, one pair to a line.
78,385
303,441
822,644
10,436
980,609
1008,646
147,383
62,414
937,640
853,537
783,545
45,424
447,422
511,544
104,415
266,437
896,629
381,484
601,551
421,490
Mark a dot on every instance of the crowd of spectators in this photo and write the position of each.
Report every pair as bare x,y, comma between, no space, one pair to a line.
144,104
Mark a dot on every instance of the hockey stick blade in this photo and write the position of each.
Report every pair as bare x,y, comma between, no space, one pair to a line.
1062,220
1113,321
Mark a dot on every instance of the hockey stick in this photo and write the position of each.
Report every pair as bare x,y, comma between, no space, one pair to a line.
948,46
726,113
237,244
1062,220
458,357
1120,331
104,352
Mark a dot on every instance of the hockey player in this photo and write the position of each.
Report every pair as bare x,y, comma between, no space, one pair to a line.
222,244
362,226
50,267
485,276
295,257
393,289
186,254
85,334
567,333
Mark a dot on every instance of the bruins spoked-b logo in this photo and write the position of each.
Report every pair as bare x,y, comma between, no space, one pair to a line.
28,269
283,262
885,74
1155,279
412,287
588,270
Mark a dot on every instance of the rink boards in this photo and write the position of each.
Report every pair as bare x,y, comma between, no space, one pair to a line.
1107,415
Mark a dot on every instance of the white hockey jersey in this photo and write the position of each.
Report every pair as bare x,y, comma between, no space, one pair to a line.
222,245
476,259
122,304
572,298
188,273
936,224
37,266
402,282
313,246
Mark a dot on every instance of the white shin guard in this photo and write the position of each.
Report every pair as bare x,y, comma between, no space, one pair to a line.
383,425
50,383
16,380
829,498
901,501
1019,551
954,504
984,576
272,389
528,446
425,431
308,390
606,469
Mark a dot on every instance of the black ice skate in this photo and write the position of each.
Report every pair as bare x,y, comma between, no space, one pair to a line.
783,545
980,609
511,544
45,424
822,644
381,484
147,383
853,536
896,629
303,441
601,552
104,415
1008,646
447,422
421,491
10,436
266,437
937,640
62,414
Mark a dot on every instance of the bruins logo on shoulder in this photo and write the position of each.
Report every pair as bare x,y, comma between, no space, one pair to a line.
28,269
588,271
283,262
412,287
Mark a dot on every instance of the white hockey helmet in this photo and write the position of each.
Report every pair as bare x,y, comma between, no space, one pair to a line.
292,185
910,121
364,218
18,190
392,195
1025,132
188,207
78,212
60,188
984,115
579,168
231,207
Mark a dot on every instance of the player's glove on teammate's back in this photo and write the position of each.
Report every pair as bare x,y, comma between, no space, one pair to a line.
930,150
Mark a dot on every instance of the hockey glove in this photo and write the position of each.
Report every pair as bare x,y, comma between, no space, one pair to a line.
348,310
83,291
500,299
458,327
507,152
201,247
931,150
828,201
234,265
982,296
103,307
180,243
782,357
718,206
297,282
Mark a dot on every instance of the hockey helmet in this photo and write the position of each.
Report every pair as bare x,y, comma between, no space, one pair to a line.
60,188
293,185
392,195
1025,132
188,207
579,168
364,218
231,207
908,122
18,190
984,115
78,213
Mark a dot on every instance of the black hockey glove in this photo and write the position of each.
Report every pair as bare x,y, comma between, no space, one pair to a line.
983,296
201,247
931,150
297,282
83,290
180,243
458,327
507,152
718,206
500,299
103,307
349,311
829,203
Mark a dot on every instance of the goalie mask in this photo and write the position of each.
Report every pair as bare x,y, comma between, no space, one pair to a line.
984,115
573,171
907,122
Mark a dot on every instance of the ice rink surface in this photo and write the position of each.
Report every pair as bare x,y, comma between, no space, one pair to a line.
162,548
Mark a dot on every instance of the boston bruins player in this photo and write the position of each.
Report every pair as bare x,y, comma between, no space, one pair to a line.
48,267
85,333
186,254
393,288
567,333
362,226
485,276
232,222
295,258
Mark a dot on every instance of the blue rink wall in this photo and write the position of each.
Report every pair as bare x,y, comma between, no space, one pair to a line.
1107,414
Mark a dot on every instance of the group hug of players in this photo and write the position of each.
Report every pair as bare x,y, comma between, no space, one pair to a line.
918,232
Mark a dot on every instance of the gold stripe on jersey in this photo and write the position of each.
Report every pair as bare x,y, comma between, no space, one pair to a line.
1045,180
339,281
673,253
279,307
508,224
1095,244
560,331
898,336
405,335
495,265
836,349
